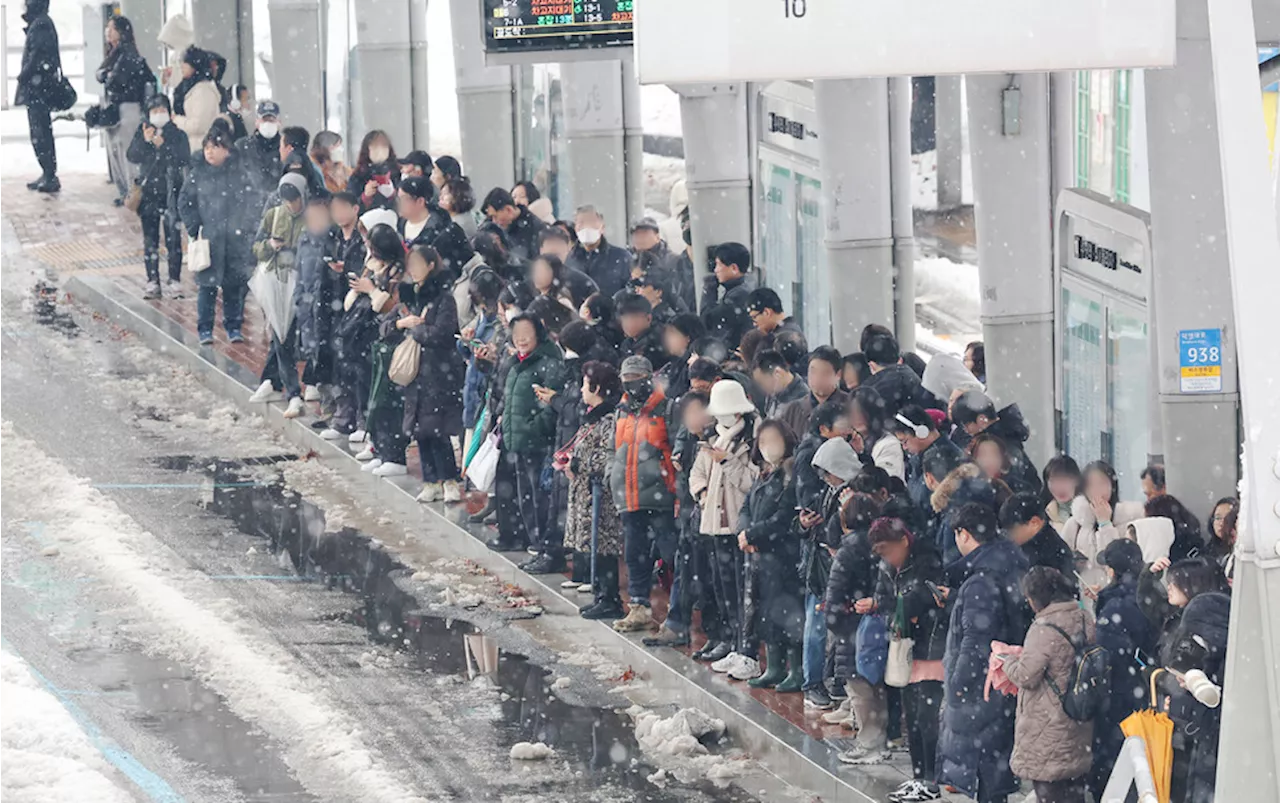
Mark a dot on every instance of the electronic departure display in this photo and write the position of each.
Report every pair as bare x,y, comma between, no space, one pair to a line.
521,26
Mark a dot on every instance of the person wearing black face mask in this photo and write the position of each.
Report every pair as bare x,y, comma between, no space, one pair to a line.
642,480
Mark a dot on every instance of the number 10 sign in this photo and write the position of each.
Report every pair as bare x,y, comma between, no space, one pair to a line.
1200,358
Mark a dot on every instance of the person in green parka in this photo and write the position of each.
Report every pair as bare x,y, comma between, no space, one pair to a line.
529,426
276,249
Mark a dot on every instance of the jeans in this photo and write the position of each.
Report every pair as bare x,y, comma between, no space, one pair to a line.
154,220
281,367
435,453
233,296
923,704
869,707
815,642
641,529
40,124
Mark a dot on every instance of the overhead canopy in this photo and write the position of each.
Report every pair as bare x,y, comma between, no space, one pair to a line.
755,40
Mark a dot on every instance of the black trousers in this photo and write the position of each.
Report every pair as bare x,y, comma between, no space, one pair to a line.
154,220
923,704
40,124
726,568
281,367
354,375
435,453
533,504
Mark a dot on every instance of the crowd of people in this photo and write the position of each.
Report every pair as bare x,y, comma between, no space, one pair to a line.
866,530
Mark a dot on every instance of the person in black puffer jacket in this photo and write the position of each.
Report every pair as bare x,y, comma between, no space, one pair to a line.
896,383
162,151
908,565
974,412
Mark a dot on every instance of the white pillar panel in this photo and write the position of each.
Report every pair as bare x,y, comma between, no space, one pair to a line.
717,153
904,247
147,17
593,112
632,141
1013,202
949,115
485,115
853,118
418,68
226,27
381,75
1188,229
298,84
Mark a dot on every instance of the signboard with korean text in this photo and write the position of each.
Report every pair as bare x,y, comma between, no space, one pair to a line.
1200,360
539,26
755,40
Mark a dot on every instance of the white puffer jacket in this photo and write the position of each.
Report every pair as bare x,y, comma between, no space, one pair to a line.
202,108
1084,536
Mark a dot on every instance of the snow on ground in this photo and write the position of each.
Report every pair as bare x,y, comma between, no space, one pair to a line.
187,618
924,180
45,757
951,286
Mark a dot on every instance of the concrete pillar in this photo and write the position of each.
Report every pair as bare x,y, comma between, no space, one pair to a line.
903,223
147,17
1013,204
632,141
381,77
1188,231
853,126
486,119
418,69
596,170
949,111
717,155
298,62
226,28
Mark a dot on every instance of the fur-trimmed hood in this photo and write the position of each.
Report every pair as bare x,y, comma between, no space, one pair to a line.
965,483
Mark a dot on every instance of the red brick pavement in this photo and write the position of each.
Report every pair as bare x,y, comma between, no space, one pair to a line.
79,231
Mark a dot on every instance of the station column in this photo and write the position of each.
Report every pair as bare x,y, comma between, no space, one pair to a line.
1009,137
486,119
717,154
298,82
381,75
226,28
857,197
950,140
1191,288
596,170
419,70
147,17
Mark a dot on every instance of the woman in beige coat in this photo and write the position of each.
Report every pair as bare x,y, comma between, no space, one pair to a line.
1098,517
1050,749
722,475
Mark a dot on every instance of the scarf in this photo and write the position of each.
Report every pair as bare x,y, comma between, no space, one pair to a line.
725,436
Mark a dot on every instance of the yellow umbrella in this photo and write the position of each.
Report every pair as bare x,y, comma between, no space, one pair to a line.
1156,730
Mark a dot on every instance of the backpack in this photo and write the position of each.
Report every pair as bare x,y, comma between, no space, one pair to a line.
1090,683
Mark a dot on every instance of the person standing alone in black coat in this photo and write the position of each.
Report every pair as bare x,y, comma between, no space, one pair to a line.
161,150
726,294
38,85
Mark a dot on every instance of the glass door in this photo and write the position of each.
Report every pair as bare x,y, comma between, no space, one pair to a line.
1084,370
1128,363
813,293
777,252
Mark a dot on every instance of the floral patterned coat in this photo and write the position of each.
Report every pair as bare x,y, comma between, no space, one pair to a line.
592,453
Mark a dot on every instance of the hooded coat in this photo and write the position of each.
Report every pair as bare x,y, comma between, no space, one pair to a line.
945,374
1013,431
160,168
261,157
1122,630
281,223
41,57
965,484
214,204
1048,745
642,476
433,400
200,107
177,35
1085,538
721,486
976,738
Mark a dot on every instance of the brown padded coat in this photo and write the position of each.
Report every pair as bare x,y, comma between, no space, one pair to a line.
1048,745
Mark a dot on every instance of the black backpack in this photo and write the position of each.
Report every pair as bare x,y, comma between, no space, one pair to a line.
1090,683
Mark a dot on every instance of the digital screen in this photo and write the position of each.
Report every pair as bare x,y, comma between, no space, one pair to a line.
516,26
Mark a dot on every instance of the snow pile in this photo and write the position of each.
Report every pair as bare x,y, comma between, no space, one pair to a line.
602,667
188,619
680,734
530,751
924,180
44,756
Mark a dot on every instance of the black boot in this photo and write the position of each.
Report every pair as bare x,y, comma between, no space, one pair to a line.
490,507
581,568
608,604
49,184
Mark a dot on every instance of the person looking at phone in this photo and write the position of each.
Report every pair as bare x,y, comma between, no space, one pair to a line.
349,345
161,150
317,293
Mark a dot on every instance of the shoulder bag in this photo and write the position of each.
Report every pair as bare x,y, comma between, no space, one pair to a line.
897,668
405,360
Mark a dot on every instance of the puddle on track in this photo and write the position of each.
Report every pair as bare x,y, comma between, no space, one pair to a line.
598,743
46,312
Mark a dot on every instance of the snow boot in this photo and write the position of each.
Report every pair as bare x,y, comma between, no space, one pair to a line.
794,681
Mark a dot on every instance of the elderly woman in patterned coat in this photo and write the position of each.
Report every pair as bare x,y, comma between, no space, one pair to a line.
590,502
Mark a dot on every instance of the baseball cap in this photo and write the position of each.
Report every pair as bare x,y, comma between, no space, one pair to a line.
645,223
636,365
420,159
268,108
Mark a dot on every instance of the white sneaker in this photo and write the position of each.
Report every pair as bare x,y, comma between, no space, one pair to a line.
746,669
295,408
568,585
312,394
365,454
452,492
431,492
841,715
266,393
358,436
862,755
728,662
173,289
585,588
390,470
331,435
373,463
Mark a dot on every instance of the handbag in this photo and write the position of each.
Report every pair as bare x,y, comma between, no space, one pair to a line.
199,257
872,645
405,360
484,466
897,667
63,96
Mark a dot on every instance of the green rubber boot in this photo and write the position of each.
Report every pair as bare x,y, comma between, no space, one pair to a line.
794,680
776,671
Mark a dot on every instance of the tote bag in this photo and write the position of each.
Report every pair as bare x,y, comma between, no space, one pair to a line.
405,361
199,257
897,667
484,466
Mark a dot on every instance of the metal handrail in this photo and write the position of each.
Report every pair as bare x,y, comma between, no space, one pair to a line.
1131,770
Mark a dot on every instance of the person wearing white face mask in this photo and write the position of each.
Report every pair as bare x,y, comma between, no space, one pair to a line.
160,149
722,475
609,266
261,152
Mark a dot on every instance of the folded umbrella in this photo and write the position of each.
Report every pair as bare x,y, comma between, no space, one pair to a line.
273,290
